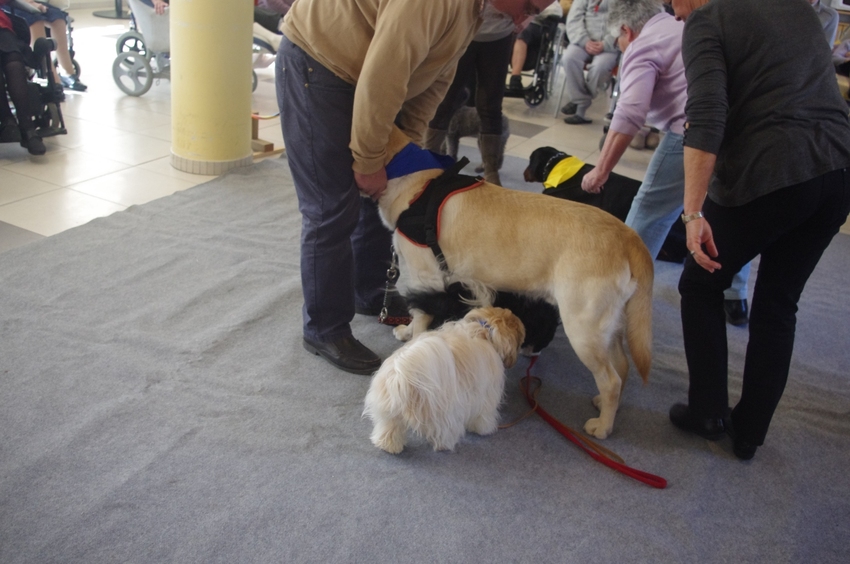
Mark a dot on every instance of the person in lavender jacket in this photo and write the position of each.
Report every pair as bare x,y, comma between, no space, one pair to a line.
653,90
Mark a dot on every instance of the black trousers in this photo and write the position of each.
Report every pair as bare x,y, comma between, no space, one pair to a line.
481,69
790,228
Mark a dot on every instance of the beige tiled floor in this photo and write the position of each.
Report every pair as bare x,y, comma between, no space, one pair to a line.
117,150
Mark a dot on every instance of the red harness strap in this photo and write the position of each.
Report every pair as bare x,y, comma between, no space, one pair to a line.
641,476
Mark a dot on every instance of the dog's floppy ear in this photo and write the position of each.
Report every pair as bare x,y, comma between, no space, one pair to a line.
507,333
536,163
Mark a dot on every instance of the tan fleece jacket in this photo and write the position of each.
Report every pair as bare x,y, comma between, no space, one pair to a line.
400,54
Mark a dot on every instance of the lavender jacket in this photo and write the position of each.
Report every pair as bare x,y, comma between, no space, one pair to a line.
653,89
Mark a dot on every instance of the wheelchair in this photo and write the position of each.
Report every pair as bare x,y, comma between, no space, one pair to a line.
69,28
143,52
541,61
266,39
45,95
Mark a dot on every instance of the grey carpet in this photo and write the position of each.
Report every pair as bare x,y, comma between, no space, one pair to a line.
156,405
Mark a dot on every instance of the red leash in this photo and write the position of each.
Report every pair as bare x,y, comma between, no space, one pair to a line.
639,475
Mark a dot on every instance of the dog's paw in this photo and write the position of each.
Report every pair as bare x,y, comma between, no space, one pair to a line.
389,444
403,332
483,425
596,428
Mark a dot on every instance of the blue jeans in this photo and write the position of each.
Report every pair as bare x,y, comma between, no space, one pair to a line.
345,249
658,204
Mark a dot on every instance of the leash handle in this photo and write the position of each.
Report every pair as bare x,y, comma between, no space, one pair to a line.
639,475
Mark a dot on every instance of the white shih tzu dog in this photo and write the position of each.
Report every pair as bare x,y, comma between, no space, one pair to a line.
445,381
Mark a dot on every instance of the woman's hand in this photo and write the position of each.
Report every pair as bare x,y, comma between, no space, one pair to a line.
594,181
699,234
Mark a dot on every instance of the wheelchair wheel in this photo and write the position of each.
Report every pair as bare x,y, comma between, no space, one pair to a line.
132,73
535,95
131,42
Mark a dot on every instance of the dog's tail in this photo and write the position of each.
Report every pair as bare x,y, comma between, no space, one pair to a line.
639,308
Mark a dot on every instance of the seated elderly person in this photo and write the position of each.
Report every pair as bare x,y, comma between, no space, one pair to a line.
41,15
529,40
13,78
591,45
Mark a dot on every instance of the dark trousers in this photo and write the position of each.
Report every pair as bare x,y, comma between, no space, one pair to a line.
345,249
790,228
482,70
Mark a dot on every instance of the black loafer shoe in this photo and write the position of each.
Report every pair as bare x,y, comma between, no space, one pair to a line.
569,109
712,429
32,142
346,353
577,120
742,448
736,312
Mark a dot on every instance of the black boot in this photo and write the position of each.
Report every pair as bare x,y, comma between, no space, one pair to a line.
32,141
736,312
9,131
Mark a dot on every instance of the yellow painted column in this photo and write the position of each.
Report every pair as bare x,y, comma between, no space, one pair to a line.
211,85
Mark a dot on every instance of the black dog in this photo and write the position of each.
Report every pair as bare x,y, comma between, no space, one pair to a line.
616,198
539,317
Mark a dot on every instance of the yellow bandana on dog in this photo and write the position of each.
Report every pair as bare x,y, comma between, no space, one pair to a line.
563,171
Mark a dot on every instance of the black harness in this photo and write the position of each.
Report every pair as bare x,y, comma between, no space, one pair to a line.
419,223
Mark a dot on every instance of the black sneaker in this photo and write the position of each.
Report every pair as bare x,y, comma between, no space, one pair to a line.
73,83
515,83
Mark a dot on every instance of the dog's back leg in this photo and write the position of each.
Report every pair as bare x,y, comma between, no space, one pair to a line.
592,329
620,361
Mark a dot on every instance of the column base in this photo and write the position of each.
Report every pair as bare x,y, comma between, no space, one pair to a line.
208,168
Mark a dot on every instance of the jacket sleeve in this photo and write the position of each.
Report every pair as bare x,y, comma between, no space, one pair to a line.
417,112
402,41
637,82
576,29
705,70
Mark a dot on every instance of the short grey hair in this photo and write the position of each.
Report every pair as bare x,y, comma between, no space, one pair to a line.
632,14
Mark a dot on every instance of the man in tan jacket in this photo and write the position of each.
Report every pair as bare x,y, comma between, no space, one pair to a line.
347,71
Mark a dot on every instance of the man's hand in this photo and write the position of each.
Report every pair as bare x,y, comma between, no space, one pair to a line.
594,47
699,233
159,6
594,181
372,185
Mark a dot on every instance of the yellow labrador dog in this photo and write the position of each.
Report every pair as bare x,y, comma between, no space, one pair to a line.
586,261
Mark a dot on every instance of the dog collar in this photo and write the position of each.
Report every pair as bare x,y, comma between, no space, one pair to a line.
485,325
414,159
563,171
